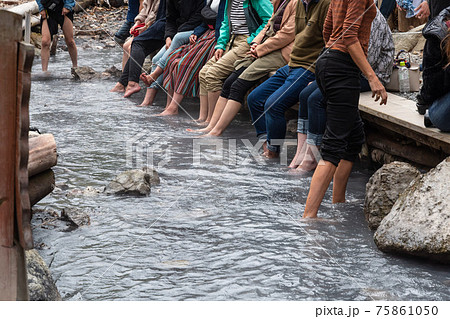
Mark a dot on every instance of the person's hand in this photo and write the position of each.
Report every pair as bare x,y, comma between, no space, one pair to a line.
423,10
400,8
192,39
168,42
378,90
43,14
218,54
65,11
141,29
253,52
134,27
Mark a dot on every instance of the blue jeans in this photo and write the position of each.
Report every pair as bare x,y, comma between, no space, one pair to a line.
439,113
312,114
269,101
161,58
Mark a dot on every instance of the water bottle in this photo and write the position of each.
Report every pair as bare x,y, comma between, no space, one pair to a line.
403,78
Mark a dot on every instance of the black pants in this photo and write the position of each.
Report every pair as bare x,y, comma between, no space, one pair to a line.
139,51
338,78
435,84
235,88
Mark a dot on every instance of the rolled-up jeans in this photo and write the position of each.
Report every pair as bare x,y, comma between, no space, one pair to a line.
161,58
439,113
312,115
269,101
338,78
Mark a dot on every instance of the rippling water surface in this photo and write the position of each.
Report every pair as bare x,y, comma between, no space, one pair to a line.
210,231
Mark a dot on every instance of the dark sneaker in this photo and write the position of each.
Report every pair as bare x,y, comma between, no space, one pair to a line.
426,121
422,107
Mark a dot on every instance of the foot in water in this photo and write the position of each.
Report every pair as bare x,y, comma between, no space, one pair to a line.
310,160
168,112
118,88
198,130
132,88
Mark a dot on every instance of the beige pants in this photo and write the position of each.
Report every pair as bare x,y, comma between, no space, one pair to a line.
214,72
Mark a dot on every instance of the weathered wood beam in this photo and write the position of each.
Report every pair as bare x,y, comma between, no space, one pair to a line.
41,185
42,154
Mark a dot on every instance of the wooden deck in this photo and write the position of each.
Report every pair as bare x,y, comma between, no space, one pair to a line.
399,118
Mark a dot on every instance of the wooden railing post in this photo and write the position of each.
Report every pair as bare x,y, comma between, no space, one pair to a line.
15,233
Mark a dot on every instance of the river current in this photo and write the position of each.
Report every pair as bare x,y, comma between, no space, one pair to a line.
218,227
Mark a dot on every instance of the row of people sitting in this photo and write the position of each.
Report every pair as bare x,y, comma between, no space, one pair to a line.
222,65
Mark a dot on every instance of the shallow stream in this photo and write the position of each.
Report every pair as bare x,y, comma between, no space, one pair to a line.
223,229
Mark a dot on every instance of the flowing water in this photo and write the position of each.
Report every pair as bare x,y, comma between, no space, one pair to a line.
226,228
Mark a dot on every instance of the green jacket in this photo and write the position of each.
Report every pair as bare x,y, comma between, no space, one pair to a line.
264,9
309,37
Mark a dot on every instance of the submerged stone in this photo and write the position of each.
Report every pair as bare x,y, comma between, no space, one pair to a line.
76,217
84,73
419,222
134,182
384,188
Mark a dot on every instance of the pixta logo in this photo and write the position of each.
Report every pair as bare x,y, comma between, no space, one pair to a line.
142,150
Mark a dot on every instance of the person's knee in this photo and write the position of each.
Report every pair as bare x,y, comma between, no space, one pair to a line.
212,81
252,99
70,42
46,41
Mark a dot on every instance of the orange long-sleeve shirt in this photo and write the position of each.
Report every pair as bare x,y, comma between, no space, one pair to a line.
347,22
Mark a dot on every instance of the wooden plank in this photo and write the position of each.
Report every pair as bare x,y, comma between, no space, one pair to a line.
42,154
12,265
41,185
10,33
23,208
400,116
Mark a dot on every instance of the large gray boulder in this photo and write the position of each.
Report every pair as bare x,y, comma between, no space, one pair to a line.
133,182
384,188
419,222
41,286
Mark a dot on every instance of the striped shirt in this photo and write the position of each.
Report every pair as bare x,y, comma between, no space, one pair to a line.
237,18
347,22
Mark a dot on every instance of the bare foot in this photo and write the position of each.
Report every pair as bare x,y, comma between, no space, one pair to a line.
270,154
146,102
147,79
132,88
118,88
310,160
307,165
200,130
168,112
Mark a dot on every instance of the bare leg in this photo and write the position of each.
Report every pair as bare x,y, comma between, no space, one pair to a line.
203,116
176,100
212,101
126,52
149,97
310,158
319,184
172,108
68,37
132,88
45,46
301,148
54,45
169,94
340,180
221,103
228,114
